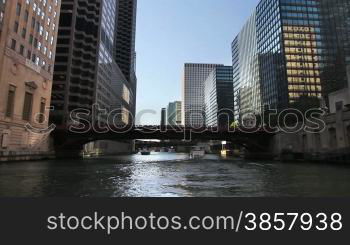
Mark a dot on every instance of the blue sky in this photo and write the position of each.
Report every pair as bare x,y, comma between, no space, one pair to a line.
173,32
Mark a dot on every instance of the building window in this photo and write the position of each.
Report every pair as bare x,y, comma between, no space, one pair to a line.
18,9
24,32
26,15
42,110
27,107
13,44
10,101
21,50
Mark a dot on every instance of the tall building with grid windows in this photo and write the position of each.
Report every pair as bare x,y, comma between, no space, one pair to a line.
87,70
174,111
92,70
28,33
193,93
336,40
246,74
218,97
125,44
301,49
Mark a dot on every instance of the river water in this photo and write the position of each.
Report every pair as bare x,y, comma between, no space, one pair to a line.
171,175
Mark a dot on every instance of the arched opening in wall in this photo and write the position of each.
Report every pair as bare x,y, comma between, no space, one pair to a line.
348,134
333,138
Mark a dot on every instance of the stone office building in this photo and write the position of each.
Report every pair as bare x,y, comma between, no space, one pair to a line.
28,32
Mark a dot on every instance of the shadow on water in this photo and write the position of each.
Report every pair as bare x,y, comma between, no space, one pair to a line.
171,175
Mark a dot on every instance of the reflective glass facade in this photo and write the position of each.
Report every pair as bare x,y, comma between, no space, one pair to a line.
218,97
246,79
270,53
336,39
301,26
302,50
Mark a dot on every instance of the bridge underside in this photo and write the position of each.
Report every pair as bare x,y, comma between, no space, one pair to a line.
69,144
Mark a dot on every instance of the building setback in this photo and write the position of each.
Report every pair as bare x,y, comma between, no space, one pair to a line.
174,113
302,49
193,93
218,96
28,33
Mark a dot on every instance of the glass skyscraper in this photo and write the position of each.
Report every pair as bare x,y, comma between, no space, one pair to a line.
89,69
218,97
336,39
302,49
174,113
246,81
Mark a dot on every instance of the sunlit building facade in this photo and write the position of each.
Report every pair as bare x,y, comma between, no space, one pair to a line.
28,34
246,79
218,97
289,48
302,49
193,93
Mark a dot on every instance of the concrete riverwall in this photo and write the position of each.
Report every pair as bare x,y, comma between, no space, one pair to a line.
93,149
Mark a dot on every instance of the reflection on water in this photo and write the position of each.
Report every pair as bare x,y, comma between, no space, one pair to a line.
171,175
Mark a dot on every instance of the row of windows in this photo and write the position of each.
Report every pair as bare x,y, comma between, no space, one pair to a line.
30,56
43,23
27,106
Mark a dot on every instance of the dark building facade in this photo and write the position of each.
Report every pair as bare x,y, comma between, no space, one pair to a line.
125,42
302,51
336,38
246,75
76,67
87,70
163,120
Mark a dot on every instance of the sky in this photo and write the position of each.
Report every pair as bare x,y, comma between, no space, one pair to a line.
173,32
